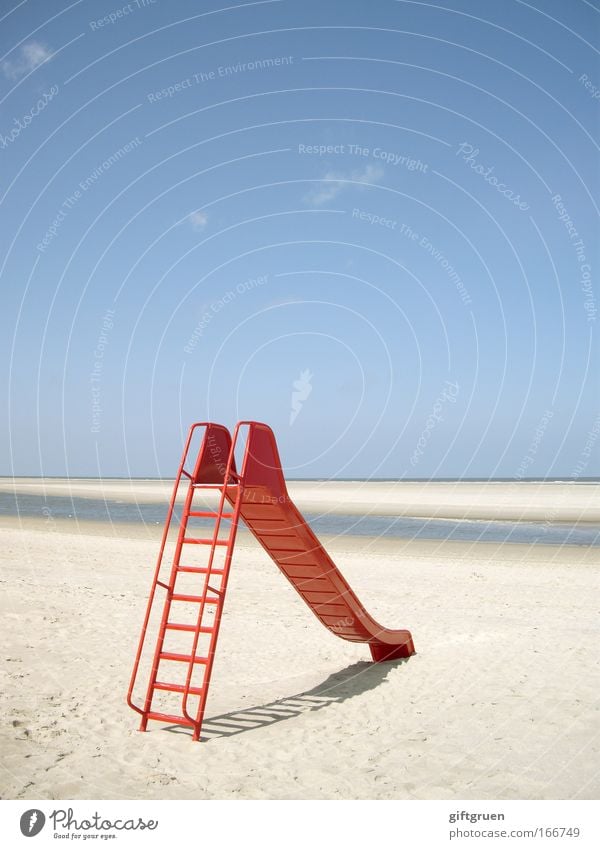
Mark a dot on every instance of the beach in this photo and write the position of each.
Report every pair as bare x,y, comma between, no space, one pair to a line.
499,701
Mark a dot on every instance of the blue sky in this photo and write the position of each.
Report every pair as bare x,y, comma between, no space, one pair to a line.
371,225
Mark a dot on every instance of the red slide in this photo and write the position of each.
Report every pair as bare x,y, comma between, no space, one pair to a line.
257,494
278,525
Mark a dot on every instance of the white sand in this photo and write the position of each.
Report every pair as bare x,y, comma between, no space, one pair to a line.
501,699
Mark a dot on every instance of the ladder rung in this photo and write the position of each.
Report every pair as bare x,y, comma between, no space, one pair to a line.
169,717
202,570
210,514
183,658
211,485
178,688
198,598
198,541
179,626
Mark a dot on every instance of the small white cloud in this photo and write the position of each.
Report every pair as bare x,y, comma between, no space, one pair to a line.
333,183
198,220
327,190
26,60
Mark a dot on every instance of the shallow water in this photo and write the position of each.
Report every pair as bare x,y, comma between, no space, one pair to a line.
98,510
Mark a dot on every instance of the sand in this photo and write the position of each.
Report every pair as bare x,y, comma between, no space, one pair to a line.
500,701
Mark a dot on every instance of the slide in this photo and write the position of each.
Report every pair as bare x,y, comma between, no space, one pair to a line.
268,511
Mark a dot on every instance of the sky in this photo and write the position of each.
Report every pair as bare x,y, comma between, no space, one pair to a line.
372,225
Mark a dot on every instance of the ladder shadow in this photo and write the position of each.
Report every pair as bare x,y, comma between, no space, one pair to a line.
352,681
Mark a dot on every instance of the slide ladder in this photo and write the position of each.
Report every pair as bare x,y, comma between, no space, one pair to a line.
194,593
257,495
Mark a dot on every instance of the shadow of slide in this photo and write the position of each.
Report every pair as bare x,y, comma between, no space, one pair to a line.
352,681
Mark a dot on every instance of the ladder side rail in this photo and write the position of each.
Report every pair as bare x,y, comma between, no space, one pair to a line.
197,721
172,578
221,594
157,569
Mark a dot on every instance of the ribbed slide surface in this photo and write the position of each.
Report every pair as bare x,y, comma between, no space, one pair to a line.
278,525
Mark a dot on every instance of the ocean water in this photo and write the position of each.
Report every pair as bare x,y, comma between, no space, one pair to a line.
98,510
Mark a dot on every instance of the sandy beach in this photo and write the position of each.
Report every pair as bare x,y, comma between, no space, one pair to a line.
500,700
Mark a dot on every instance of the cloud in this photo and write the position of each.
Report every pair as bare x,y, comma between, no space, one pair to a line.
198,220
26,60
333,183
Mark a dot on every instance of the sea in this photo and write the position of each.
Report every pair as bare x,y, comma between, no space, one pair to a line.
337,525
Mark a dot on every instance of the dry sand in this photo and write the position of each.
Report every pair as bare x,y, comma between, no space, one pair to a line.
500,701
